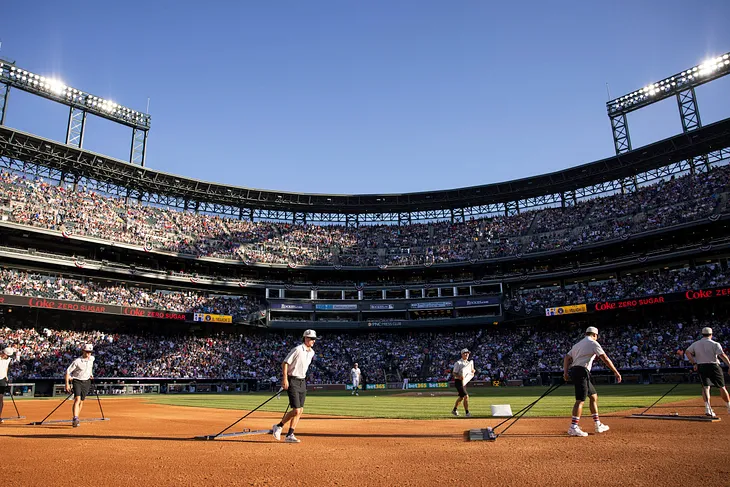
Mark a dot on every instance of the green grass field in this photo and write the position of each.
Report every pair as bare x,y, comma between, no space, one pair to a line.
394,404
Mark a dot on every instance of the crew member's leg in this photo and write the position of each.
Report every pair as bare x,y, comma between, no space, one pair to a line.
579,377
297,393
462,394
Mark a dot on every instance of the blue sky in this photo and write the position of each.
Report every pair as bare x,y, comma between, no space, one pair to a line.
363,97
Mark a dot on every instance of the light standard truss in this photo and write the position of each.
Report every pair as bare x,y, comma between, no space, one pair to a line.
682,85
80,103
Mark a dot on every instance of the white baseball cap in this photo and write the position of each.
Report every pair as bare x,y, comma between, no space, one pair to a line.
310,334
8,351
707,330
592,329
465,350
88,347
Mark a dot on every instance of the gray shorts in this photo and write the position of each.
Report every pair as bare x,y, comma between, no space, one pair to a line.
81,388
297,392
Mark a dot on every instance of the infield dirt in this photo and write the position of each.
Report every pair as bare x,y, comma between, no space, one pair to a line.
149,444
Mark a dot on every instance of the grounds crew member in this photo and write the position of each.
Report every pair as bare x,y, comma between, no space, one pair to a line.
577,367
81,371
703,354
355,376
294,372
6,358
463,373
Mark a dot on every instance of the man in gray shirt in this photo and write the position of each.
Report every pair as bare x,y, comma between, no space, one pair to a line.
577,367
703,354
294,374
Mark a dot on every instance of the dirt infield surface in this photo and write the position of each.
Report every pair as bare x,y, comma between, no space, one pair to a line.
147,444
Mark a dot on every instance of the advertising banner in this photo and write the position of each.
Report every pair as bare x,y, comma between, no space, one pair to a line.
211,318
566,310
432,305
292,306
336,307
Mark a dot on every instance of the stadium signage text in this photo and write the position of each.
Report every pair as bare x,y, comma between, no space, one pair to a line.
432,305
336,307
708,293
690,295
566,310
628,303
82,307
212,318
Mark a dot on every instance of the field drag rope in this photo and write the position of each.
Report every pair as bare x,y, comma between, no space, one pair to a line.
490,433
17,413
246,431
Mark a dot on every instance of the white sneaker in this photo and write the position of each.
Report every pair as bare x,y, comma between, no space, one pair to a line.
575,430
276,431
601,428
454,412
292,439
711,414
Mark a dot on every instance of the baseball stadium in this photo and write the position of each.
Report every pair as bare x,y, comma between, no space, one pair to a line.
168,330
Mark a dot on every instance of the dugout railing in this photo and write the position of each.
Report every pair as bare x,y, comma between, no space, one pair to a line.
21,390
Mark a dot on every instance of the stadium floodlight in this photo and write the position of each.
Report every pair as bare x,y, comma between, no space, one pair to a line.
56,90
708,70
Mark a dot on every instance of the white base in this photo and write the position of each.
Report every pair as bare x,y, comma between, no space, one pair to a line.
501,410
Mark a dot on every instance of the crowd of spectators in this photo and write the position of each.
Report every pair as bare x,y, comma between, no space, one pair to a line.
648,283
21,283
499,354
75,210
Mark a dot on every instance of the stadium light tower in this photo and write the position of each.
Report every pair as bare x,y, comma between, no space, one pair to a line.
682,85
80,103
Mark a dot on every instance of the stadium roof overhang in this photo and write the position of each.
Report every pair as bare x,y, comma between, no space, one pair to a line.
67,159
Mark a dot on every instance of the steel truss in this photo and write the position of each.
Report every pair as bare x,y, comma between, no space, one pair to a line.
688,110
620,129
4,94
76,127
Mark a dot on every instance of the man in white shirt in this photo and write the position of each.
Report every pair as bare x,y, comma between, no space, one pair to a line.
703,354
6,358
294,372
81,372
355,376
577,368
463,373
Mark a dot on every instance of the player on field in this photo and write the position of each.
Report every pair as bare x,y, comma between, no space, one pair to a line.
463,372
294,373
703,354
355,376
78,380
6,358
577,367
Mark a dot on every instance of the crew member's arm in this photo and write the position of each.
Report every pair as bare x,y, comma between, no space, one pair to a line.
68,376
725,359
610,365
285,375
691,358
567,360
